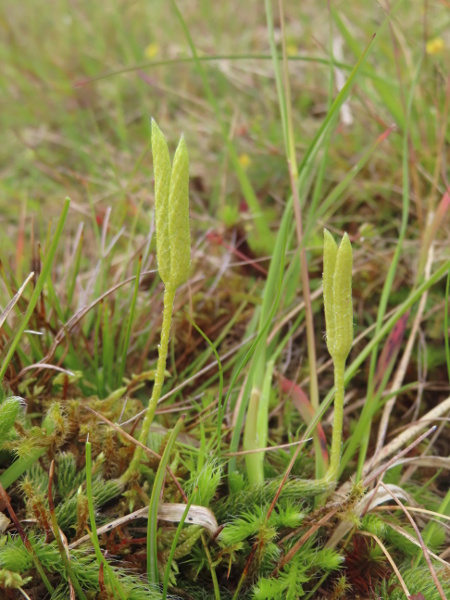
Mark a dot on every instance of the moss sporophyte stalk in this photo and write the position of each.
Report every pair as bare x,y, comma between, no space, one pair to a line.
337,298
173,252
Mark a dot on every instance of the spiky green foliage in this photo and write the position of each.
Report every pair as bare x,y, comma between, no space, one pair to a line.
68,493
289,583
69,477
206,482
254,517
246,526
294,489
15,557
106,490
10,579
408,548
188,538
418,581
375,525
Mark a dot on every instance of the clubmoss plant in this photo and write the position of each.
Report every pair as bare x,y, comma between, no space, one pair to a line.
173,251
337,298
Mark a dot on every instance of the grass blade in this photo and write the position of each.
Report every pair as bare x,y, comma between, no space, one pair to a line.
152,528
38,289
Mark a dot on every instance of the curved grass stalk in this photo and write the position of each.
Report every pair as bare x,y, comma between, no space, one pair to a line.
152,526
46,266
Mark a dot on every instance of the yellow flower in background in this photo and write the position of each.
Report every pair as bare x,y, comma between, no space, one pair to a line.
435,46
152,50
291,49
245,161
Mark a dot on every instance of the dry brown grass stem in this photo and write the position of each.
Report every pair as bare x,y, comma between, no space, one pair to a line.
412,430
426,460
305,537
370,501
8,308
402,531
416,509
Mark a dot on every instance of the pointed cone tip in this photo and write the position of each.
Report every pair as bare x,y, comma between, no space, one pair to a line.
346,240
155,126
182,147
328,239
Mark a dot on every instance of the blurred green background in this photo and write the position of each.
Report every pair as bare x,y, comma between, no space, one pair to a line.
80,80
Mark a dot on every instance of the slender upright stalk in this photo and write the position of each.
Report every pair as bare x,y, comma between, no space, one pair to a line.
169,296
337,298
338,421
57,533
173,251
26,542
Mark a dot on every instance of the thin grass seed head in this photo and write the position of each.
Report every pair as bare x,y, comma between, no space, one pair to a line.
179,231
337,293
162,170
